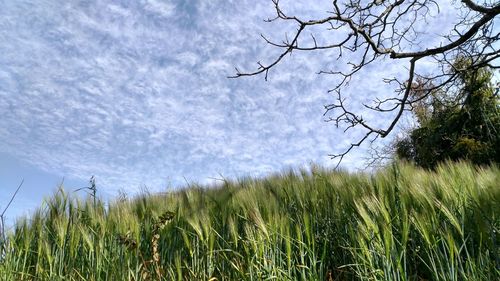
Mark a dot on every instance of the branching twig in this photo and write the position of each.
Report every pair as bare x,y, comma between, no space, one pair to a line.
377,30
92,189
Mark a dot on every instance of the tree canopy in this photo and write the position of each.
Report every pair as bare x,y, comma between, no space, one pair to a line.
460,125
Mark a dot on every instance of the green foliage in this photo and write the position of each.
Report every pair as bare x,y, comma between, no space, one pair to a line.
465,125
402,223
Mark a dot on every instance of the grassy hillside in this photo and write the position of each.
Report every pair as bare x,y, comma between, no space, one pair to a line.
400,224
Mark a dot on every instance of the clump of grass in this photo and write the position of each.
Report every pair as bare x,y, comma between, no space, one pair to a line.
402,223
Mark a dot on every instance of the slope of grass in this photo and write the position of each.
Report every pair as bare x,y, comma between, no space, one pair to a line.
400,224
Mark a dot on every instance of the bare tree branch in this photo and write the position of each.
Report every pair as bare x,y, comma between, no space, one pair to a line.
386,29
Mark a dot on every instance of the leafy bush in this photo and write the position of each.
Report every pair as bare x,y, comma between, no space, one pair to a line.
468,128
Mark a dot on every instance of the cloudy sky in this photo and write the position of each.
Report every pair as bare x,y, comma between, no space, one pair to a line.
136,93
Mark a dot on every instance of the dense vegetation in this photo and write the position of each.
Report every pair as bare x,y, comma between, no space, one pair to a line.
402,223
463,123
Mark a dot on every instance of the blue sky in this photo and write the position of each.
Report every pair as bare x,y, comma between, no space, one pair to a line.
135,93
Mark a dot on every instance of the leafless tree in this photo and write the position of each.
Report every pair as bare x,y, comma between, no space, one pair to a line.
373,31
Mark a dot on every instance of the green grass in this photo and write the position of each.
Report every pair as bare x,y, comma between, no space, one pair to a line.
402,223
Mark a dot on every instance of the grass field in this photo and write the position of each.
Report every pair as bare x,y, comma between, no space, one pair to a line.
402,223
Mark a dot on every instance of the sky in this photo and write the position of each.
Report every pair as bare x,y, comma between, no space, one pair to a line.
136,94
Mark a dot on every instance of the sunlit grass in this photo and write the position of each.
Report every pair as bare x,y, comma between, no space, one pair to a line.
400,224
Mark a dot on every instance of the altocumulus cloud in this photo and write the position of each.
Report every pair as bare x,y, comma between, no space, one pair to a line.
135,92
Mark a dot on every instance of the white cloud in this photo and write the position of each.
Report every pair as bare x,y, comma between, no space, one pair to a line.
135,92
164,8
